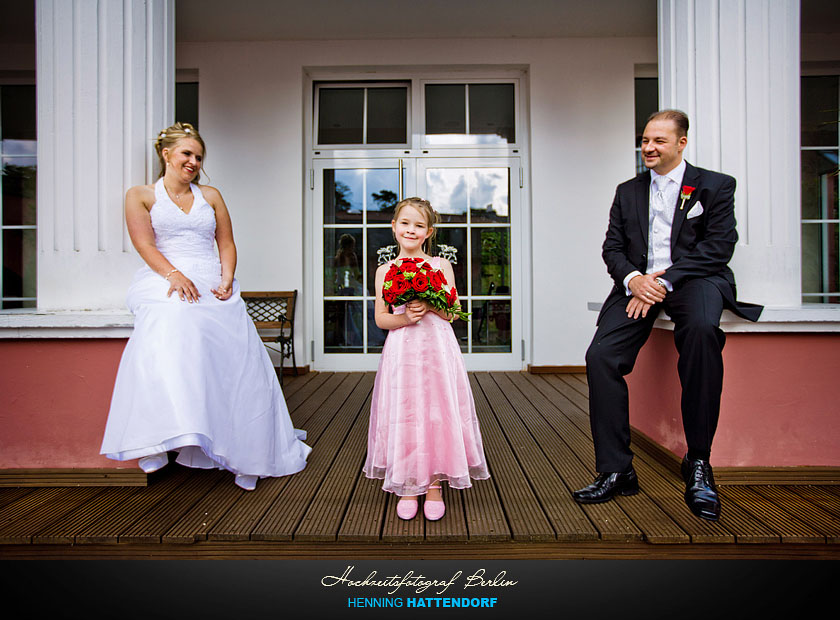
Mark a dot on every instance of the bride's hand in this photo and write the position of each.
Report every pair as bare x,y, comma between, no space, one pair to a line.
183,286
223,291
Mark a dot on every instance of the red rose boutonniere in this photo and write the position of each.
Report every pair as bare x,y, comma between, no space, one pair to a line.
685,194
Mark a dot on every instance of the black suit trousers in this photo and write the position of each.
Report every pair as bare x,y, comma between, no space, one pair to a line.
695,308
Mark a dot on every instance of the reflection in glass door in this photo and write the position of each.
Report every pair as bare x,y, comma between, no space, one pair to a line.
354,205
354,211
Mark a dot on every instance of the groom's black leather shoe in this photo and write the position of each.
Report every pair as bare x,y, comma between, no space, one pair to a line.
608,485
701,495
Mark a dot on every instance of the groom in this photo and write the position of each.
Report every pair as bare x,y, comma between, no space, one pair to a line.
671,234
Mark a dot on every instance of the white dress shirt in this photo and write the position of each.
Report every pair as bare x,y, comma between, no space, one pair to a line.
664,191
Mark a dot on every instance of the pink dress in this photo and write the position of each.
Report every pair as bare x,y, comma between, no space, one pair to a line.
423,425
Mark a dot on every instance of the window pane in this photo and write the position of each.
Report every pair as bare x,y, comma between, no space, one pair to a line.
490,261
343,327
820,259
489,191
492,111
387,114
340,115
819,185
647,102
451,244
445,110
19,252
376,336
343,195
17,113
383,194
343,261
381,248
819,110
19,177
186,103
448,193
16,304
491,326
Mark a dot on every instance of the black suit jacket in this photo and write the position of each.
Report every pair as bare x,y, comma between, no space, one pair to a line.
700,247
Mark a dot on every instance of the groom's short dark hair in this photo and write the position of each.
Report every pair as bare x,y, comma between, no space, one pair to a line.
679,117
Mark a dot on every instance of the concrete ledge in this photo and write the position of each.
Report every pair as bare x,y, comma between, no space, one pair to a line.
28,323
800,319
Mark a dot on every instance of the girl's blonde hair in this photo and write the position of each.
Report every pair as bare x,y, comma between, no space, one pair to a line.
169,137
431,216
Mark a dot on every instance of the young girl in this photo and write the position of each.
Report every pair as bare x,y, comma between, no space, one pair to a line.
423,427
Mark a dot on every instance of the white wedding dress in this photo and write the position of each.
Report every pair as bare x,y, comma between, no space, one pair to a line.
195,377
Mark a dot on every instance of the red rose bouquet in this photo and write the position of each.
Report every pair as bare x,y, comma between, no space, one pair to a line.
414,278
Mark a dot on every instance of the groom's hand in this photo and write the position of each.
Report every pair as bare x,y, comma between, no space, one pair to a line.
646,289
636,307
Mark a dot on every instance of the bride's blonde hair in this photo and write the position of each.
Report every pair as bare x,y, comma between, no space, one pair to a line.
173,134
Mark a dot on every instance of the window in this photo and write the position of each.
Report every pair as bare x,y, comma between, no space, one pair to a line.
18,152
470,114
186,103
361,114
647,102
820,218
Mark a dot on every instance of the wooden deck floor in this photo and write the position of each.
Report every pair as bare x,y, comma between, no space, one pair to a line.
538,445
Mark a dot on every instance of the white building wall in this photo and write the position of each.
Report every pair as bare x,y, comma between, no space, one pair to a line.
581,135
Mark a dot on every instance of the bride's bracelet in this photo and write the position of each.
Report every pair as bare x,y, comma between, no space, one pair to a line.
166,277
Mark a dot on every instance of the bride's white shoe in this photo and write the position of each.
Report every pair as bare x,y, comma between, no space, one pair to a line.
154,462
249,483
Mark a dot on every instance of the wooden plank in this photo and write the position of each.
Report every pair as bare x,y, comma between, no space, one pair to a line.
819,496
576,383
483,513
154,524
22,530
451,527
526,519
195,525
365,512
72,477
322,520
578,462
283,517
820,520
107,529
398,530
10,494
318,387
735,521
669,497
64,531
250,508
789,529
292,384
24,505
539,443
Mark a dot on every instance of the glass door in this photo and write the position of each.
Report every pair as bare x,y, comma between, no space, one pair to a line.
354,200
478,202
354,203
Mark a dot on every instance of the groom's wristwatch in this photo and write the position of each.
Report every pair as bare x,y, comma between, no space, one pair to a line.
661,283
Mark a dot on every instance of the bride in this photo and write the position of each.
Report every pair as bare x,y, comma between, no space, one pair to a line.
194,377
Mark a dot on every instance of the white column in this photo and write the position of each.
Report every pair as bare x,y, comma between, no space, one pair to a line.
106,81
733,67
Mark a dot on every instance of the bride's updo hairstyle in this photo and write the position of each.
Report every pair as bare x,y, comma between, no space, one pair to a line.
169,137
431,216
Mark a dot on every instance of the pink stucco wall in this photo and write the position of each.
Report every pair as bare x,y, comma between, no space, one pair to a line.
54,398
780,404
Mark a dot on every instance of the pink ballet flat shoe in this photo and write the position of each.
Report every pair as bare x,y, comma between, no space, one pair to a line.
407,508
243,481
153,462
434,509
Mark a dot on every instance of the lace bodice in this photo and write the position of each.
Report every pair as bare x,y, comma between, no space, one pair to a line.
186,236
